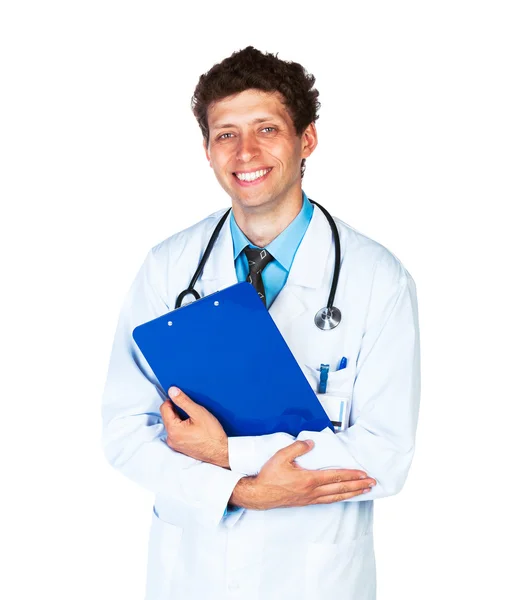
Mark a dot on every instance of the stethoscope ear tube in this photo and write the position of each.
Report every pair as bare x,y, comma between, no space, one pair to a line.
204,258
336,270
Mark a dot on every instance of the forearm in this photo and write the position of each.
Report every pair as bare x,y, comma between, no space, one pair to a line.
245,494
385,458
282,483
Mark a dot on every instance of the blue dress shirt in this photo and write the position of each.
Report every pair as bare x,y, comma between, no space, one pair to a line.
283,248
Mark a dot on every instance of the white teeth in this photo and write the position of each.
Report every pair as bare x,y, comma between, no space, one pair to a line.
252,176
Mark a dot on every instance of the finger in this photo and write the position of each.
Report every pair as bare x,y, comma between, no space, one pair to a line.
333,489
168,413
183,401
340,497
338,475
298,448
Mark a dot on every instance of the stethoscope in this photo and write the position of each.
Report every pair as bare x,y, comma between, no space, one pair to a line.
327,318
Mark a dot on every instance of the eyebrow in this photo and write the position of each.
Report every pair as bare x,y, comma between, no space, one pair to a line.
253,122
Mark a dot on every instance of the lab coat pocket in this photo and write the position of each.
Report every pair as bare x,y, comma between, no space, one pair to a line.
337,399
164,545
342,570
337,408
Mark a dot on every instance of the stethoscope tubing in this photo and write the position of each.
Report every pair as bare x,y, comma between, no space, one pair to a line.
203,262
336,269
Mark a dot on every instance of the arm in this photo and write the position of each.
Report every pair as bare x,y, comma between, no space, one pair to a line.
380,438
280,483
283,483
134,438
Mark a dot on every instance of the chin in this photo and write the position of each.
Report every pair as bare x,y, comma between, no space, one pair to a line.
252,201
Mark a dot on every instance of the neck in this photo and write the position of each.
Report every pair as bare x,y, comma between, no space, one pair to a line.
263,224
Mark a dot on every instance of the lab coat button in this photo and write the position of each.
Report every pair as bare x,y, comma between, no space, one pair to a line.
233,586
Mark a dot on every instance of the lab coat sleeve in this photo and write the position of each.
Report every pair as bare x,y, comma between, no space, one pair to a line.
386,393
133,436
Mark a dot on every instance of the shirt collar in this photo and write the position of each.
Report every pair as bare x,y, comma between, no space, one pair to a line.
284,246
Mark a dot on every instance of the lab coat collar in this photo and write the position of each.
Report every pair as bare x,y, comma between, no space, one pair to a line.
220,267
312,255
307,270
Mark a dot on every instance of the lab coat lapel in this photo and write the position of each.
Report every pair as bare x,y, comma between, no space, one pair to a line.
307,271
287,306
219,271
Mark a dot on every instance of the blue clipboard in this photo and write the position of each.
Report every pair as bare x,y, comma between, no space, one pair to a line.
227,354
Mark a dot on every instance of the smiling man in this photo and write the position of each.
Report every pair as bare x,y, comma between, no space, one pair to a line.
270,517
256,153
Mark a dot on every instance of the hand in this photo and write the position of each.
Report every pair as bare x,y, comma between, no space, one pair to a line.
201,436
282,482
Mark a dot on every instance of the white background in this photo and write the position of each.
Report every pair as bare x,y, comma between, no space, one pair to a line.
101,159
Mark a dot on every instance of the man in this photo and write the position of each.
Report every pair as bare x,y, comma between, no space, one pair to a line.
268,517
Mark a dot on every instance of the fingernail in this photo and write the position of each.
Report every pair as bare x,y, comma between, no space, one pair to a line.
173,392
363,477
366,491
372,484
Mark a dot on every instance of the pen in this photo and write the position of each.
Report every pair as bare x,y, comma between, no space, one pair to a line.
343,363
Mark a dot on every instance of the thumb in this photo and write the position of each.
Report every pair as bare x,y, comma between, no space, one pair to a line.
183,401
296,449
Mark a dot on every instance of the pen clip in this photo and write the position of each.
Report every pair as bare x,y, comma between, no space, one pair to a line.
323,381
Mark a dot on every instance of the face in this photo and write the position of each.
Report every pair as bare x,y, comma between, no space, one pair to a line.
255,151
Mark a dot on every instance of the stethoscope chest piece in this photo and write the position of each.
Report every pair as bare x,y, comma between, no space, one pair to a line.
328,318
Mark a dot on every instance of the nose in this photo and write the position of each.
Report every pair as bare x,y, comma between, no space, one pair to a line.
247,148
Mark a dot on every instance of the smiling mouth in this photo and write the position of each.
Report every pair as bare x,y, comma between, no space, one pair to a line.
252,177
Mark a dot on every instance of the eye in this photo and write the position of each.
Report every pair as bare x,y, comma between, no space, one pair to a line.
224,136
269,129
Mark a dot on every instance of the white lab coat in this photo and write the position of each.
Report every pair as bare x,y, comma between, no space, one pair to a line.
313,552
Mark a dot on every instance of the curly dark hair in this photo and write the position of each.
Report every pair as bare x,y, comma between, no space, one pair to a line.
251,69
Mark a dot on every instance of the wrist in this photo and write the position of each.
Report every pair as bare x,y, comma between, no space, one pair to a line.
224,460
218,455
246,494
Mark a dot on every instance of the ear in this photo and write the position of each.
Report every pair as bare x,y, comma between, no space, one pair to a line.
308,140
207,153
